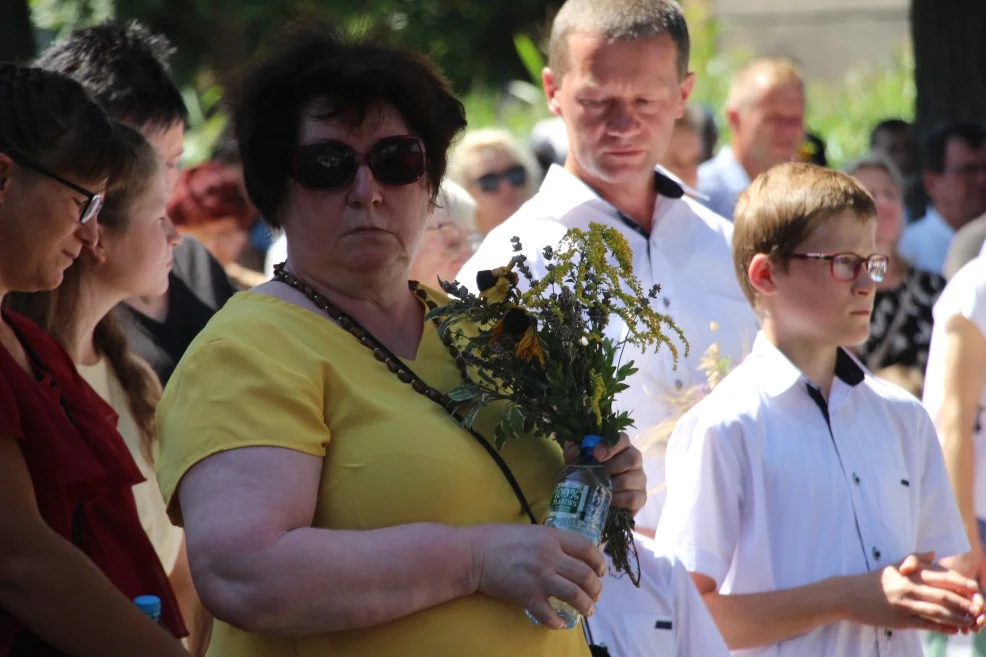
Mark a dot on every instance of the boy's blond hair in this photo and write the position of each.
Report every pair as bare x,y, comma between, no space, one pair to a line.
784,206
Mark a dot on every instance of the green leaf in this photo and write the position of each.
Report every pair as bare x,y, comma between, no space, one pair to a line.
464,392
514,419
499,435
469,420
529,54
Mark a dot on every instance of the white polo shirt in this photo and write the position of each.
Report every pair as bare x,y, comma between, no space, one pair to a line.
964,295
665,617
766,494
687,252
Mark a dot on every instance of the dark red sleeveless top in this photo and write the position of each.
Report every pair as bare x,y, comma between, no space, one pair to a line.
82,473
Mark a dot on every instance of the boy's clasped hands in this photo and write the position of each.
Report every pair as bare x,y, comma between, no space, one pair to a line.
920,593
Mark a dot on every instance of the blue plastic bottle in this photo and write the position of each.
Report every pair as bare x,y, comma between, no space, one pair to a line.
580,504
150,605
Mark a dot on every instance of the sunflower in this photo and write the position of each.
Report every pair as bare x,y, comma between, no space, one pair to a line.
518,324
495,285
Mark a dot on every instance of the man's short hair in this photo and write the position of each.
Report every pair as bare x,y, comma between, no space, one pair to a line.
888,125
772,72
618,20
784,206
936,146
125,68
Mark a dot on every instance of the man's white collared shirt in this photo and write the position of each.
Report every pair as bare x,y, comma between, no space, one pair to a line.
722,179
770,488
925,242
688,254
665,617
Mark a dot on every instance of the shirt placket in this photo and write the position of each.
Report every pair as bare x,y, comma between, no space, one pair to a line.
667,302
856,478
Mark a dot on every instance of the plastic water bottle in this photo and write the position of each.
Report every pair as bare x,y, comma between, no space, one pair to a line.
150,605
580,504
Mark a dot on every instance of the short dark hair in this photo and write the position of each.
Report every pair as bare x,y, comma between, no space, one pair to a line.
48,119
125,68
936,145
618,20
888,125
310,62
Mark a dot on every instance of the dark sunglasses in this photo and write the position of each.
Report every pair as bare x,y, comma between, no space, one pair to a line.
515,175
94,202
327,165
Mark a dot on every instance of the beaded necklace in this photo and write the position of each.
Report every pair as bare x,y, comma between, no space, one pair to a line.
400,369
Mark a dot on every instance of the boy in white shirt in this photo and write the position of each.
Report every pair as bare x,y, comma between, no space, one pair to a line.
807,498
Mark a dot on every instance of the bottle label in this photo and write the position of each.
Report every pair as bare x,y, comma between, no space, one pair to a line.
569,498
579,508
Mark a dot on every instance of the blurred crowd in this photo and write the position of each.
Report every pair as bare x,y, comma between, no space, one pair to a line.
125,275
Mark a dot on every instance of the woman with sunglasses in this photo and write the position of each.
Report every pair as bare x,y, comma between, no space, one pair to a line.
73,554
331,504
496,171
900,328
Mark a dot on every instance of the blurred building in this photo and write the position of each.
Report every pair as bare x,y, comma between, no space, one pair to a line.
825,37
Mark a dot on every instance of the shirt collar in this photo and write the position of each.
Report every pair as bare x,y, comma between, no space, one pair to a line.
732,172
567,192
938,221
778,374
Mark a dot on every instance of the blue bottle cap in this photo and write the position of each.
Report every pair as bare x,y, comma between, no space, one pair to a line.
590,441
150,605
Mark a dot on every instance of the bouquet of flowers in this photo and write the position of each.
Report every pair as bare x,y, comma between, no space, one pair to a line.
544,352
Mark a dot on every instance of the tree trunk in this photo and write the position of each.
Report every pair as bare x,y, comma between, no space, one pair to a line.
16,32
949,60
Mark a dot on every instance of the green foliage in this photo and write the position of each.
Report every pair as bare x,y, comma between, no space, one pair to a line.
843,113
206,121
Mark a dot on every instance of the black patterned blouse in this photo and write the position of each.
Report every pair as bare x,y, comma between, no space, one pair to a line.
900,329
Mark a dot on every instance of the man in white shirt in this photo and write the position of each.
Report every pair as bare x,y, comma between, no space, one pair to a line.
619,93
766,111
955,179
665,617
808,498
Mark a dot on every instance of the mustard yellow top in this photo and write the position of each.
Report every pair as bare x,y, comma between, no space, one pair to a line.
267,372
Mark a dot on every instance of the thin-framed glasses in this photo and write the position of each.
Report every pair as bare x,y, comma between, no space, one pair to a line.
846,266
452,233
94,202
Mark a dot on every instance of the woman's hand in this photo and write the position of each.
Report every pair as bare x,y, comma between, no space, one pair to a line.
625,466
526,564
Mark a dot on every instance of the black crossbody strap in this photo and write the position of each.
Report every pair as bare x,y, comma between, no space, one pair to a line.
495,455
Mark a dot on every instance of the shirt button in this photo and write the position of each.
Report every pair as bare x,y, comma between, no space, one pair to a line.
678,384
876,554
888,633
855,478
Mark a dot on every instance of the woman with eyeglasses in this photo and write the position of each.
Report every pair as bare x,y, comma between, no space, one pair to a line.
900,328
496,171
331,504
450,237
73,554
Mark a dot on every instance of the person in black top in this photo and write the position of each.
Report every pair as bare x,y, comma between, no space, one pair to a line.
198,287
125,70
900,328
